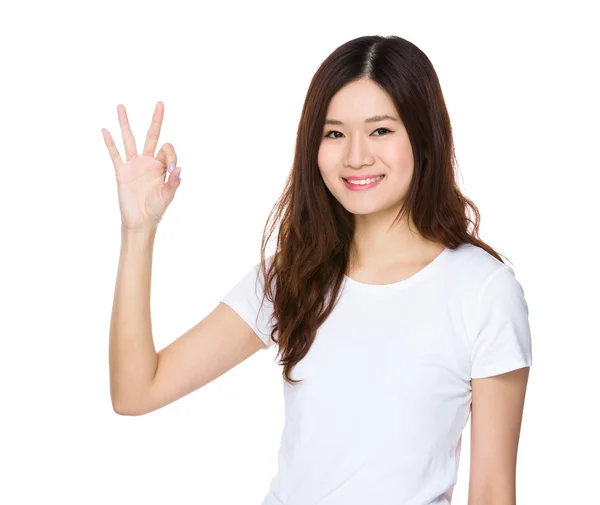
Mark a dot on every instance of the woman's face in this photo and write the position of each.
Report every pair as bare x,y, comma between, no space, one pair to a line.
356,147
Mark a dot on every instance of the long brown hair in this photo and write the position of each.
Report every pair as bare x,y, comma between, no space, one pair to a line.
316,232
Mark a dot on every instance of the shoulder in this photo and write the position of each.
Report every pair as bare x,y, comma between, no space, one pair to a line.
473,268
486,288
477,282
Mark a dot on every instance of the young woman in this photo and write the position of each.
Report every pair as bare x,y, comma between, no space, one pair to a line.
393,320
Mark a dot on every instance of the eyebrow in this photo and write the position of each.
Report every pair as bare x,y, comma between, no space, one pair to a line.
373,119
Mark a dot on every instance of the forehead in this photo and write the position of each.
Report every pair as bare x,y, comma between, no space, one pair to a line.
359,100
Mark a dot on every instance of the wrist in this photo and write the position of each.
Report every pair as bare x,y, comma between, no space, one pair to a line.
142,236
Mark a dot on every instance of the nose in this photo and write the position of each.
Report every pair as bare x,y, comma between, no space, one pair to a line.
358,152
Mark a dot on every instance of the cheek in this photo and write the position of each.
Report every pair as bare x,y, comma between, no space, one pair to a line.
399,156
326,162
322,157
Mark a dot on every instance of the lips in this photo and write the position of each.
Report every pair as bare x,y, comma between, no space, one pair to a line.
353,186
361,177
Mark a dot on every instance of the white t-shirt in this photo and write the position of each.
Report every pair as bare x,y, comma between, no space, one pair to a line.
386,394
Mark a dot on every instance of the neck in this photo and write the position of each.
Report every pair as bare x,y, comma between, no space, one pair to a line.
375,245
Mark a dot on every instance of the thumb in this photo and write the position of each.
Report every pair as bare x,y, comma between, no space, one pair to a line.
174,180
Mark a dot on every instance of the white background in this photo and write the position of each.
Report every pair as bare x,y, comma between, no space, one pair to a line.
521,84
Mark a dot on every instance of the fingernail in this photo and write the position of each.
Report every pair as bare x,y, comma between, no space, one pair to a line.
171,167
178,174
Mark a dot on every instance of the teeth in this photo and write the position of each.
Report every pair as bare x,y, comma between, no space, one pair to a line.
365,181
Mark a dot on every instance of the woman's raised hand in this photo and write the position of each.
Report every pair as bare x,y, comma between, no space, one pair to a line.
143,193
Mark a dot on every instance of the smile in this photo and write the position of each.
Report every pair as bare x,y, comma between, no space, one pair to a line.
364,184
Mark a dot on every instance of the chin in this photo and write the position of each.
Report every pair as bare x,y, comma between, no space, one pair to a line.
363,210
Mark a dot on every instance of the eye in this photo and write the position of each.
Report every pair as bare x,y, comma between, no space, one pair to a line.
383,129
335,131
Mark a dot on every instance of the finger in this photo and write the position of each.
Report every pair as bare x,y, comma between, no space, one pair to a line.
112,149
154,130
167,156
174,179
128,140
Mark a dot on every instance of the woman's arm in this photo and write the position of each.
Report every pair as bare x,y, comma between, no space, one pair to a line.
497,411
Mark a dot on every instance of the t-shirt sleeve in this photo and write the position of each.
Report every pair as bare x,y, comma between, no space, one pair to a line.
502,339
246,297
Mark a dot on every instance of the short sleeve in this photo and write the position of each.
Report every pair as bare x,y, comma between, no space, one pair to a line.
502,340
245,298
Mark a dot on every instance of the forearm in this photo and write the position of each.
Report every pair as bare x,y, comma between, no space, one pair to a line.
132,355
491,495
